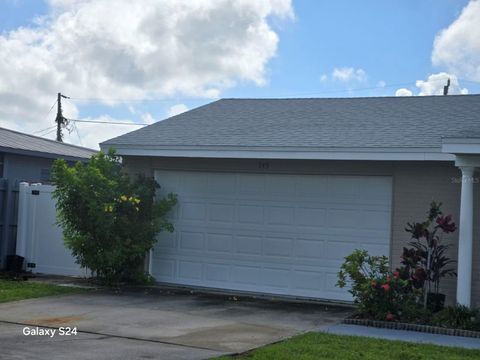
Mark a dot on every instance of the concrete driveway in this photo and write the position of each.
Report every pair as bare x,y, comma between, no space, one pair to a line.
157,325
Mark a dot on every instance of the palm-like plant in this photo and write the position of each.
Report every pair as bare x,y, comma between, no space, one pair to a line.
426,261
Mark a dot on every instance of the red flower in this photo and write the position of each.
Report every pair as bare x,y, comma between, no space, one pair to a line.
386,287
396,274
389,317
445,224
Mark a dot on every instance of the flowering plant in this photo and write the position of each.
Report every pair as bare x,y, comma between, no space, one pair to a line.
426,261
378,292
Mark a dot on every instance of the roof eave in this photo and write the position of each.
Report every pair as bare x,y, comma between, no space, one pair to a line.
376,154
41,154
461,145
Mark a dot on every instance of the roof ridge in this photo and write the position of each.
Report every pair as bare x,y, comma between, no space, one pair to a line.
353,98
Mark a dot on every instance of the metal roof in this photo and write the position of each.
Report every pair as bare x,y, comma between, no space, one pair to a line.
16,142
377,123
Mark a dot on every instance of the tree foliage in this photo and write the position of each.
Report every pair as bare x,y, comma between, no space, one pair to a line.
109,220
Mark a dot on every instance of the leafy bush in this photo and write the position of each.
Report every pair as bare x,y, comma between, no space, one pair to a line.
378,292
411,292
109,221
458,317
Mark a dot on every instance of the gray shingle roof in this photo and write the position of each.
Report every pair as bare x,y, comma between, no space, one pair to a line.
17,142
381,122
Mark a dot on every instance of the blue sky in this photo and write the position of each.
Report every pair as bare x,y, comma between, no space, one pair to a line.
325,48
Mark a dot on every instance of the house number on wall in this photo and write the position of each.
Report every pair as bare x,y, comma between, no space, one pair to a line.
263,165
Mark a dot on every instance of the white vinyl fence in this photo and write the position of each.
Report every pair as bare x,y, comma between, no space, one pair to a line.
39,238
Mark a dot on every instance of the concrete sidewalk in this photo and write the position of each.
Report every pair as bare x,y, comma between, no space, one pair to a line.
403,335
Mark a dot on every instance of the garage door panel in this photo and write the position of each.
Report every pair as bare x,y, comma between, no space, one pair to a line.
249,245
277,246
251,185
276,278
246,275
192,240
250,214
311,187
309,248
310,216
190,270
222,212
217,272
284,187
309,280
280,215
220,243
223,184
281,234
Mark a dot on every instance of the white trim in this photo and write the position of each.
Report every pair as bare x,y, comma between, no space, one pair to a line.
291,154
461,148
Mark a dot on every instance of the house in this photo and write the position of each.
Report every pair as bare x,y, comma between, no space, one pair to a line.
273,193
27,158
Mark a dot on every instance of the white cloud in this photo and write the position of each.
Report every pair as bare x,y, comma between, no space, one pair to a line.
403,92
323,77
458,46
126,49
349,74
177,109
434,86
381,83
148,118
435,83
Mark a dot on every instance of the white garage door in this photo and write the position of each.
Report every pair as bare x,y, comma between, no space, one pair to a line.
270,233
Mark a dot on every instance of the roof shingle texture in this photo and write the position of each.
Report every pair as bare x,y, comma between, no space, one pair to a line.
400,122
14,140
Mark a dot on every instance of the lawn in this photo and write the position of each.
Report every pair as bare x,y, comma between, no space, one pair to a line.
326,346
19,290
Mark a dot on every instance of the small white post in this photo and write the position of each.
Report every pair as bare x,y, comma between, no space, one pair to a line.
150,261
465,238
22,222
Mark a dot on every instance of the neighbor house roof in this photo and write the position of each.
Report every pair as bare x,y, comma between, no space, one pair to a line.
19,143
405,128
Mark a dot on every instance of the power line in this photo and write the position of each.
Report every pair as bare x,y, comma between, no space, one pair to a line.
49,132
133,100
48,128
78,133
51,109
126,100
108,122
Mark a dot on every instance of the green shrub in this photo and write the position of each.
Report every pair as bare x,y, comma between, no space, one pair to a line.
109,221
458,317
379,293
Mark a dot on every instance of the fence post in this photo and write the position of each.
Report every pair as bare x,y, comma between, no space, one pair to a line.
22,222
6,211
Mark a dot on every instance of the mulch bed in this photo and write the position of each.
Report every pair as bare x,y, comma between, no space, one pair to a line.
413,327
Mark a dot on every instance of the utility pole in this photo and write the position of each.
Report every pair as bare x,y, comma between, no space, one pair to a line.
60,120
445,88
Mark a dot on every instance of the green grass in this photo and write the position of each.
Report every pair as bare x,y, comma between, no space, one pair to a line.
18,290
338,347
